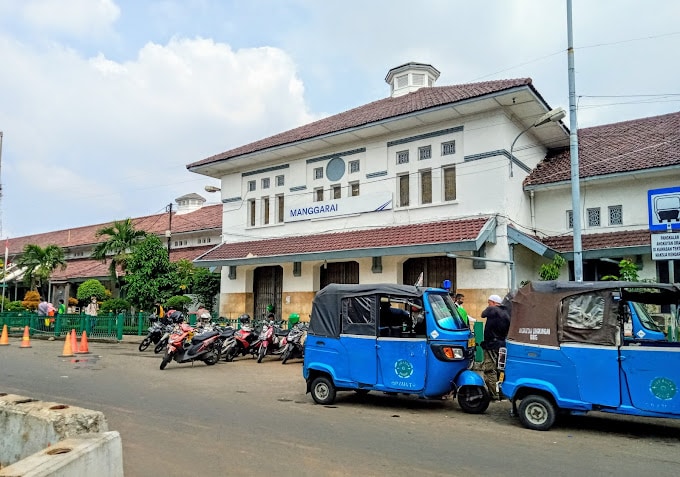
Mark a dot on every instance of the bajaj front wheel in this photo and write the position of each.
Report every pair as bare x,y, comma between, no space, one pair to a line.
286,354
159,347
260,353
537,413
323,391
473,399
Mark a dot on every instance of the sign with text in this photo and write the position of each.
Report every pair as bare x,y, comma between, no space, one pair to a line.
666,246
664,209
296,211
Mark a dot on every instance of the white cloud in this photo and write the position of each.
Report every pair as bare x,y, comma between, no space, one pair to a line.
80,18
110,138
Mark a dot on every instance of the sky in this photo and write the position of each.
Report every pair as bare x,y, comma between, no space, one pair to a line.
103,103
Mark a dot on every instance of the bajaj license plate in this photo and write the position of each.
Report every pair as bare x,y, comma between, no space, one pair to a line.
471,342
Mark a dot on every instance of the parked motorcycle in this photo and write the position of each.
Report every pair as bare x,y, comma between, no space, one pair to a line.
271,338
294,342
154,334
163,342
242,341
185,346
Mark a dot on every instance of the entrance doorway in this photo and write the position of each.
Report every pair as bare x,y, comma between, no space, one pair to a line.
267,290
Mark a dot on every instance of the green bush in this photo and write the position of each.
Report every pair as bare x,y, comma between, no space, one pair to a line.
114,305
90,288
178,302
14,306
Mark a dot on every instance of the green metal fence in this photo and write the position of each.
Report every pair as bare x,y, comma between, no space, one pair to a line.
104,326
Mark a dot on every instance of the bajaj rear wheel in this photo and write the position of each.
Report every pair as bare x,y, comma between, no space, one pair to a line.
473,399
323,391
536,412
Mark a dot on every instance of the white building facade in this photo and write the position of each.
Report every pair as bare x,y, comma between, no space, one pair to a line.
417,183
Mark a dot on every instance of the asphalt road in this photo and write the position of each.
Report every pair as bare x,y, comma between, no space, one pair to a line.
244,418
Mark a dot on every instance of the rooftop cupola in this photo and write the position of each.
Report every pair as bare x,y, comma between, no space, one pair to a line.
410,77
189,203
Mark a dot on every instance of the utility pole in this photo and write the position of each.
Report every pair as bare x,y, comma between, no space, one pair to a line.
168,233
573,154
4,264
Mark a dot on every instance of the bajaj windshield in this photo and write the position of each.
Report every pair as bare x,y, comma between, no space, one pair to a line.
445,312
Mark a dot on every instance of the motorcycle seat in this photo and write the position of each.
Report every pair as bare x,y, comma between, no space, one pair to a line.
204,336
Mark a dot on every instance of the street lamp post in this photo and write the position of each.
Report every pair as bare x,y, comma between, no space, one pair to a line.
552,116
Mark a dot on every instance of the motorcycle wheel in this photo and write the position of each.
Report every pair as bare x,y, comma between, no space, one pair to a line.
212,357
144,344
260,353
286,354
230,353
159,347
166,359
473,399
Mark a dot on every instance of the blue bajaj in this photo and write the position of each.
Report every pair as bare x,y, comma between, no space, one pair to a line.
599,346
390,338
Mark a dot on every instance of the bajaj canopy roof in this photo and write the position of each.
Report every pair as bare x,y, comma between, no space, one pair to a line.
327,305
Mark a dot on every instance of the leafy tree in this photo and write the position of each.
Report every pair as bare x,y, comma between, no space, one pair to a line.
90,288
150,275
551,271
121,241
206,286
40,263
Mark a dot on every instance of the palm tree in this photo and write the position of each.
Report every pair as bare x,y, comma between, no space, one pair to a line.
40,263
122,238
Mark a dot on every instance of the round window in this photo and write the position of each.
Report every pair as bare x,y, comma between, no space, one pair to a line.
335,169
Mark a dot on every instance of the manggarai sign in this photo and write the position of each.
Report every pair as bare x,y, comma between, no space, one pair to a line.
333,208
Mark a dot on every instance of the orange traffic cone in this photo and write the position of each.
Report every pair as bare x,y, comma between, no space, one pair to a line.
83,344
74,341
4,340
67,352
26,340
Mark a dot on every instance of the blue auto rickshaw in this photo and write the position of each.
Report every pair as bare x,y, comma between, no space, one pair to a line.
594,346
390,338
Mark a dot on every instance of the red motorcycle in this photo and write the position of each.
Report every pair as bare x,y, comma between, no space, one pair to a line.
271,340
242,342
185,346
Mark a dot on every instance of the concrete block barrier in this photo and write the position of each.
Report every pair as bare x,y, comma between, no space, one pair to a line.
85,455
29,425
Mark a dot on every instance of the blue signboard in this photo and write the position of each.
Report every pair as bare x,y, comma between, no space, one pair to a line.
664,209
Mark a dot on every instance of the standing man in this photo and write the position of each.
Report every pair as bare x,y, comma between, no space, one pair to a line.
461,311
495,331
91,311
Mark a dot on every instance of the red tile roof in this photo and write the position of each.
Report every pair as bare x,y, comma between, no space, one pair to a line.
88,268
632,238
403,235
419,100
206,218
613,148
